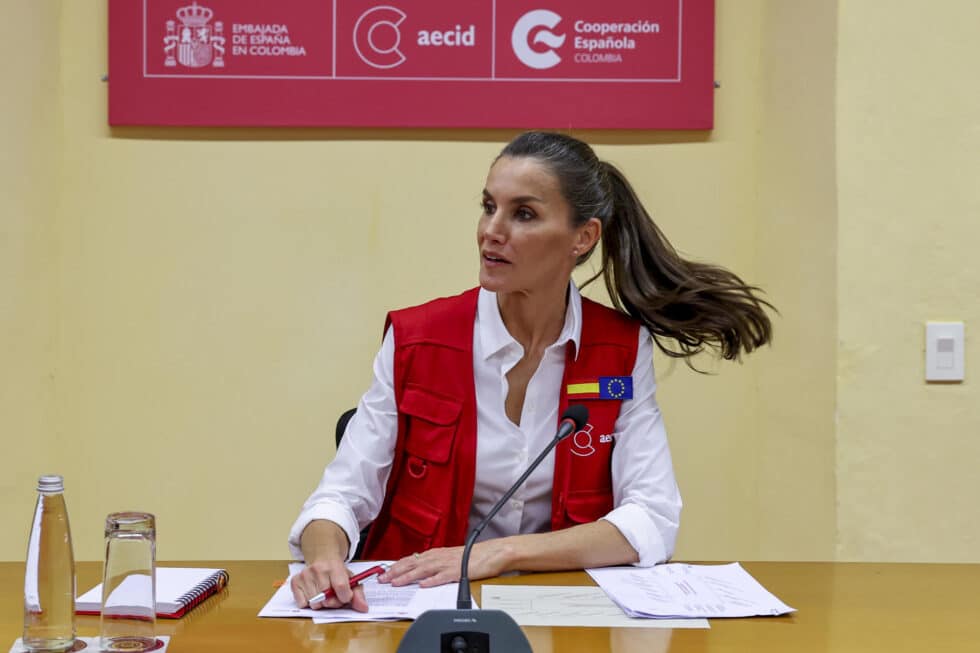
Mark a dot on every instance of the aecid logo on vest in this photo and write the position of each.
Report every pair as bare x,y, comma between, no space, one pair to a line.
582,441
378,37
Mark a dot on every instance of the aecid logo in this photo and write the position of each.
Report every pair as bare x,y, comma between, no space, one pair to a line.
377,37
520,39
583,441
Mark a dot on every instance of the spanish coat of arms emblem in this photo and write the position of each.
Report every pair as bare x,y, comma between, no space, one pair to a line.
195,42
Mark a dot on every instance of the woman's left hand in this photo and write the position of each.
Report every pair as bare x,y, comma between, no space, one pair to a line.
441,566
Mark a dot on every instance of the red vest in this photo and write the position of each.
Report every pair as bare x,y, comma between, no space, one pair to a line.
429,492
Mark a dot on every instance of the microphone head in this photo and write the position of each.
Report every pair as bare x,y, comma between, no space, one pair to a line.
578,413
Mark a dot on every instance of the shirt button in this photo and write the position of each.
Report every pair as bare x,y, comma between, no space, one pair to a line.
515,504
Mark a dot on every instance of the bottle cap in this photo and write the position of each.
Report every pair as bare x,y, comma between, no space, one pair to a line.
51,483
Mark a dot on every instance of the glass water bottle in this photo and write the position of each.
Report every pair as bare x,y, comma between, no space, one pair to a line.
49,580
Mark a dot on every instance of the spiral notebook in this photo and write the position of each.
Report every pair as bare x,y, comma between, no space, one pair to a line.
179,589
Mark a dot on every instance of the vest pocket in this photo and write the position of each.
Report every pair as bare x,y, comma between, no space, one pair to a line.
417,522
585,507
432,422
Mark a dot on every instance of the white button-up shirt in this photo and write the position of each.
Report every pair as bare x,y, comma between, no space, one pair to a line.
646,501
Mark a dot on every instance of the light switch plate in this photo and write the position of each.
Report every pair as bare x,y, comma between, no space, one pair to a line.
944,351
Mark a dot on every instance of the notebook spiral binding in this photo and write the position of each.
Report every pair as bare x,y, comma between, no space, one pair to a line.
210,585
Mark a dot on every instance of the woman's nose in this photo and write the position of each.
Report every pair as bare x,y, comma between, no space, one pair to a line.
494,227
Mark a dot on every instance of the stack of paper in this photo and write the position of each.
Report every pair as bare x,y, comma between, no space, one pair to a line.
572,605
679,590
385,603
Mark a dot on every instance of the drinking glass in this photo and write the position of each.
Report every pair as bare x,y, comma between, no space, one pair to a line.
129,583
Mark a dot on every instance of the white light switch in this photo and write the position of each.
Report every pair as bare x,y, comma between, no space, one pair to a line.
944,351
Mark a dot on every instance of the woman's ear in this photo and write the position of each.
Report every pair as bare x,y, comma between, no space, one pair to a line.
587,235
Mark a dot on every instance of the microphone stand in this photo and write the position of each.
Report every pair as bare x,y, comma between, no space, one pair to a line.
464,599
467,630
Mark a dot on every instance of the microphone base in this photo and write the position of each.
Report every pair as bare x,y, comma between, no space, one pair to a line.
483,631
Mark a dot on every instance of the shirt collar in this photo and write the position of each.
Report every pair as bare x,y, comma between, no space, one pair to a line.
494,336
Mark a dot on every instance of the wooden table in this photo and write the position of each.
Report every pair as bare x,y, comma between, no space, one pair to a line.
841,607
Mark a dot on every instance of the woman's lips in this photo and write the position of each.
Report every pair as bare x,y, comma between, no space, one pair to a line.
493,260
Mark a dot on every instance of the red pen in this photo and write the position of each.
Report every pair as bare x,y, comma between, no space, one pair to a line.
355,580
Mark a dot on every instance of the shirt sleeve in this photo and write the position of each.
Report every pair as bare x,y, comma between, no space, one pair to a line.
646,500
352,488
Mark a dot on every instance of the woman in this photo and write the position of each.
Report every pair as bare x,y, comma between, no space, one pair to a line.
468,389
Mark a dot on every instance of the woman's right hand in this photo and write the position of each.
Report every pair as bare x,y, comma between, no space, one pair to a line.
325,546
323,574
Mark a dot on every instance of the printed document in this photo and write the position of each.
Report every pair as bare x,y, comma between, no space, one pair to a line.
680,590
544,605
385,603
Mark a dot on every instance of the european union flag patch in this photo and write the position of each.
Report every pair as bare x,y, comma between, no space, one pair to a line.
605,387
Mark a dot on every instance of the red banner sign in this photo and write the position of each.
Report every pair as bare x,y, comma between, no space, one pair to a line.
638,64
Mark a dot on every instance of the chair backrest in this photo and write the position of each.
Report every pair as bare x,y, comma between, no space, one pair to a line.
341,429
342,423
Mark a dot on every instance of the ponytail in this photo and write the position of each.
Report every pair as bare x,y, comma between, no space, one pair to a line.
696,305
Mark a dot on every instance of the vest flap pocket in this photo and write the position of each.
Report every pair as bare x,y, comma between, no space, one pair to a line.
432,408
585,507
416,516
431,424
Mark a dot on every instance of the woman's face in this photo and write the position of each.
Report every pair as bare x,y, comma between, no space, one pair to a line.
526,239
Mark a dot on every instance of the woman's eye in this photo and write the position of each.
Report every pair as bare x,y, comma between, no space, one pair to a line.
524,214
488,208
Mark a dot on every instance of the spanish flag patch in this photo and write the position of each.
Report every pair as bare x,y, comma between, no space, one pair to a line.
605,387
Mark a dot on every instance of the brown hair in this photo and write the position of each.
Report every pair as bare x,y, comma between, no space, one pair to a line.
696,305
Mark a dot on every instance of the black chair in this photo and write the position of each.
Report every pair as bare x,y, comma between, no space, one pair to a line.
342,424
341,428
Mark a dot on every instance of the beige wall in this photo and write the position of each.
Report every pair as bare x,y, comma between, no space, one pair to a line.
208,301
909,156
796,238
30,144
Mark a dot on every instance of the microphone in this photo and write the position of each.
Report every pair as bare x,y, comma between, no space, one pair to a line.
465,629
